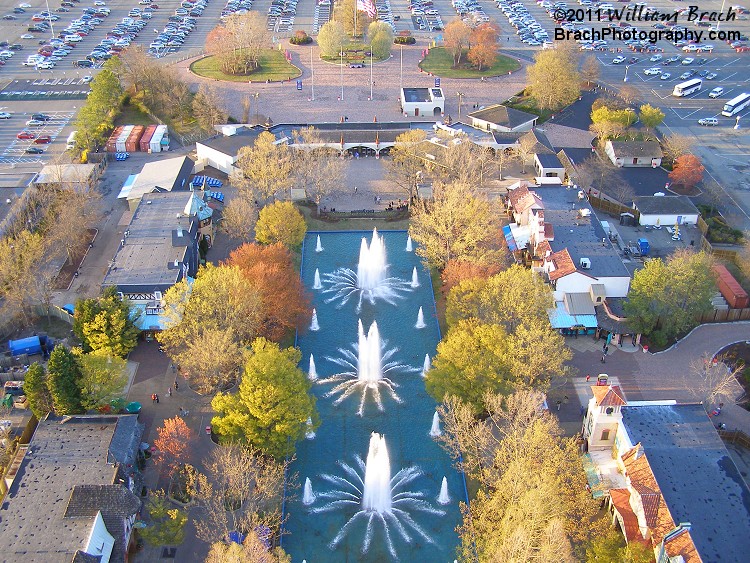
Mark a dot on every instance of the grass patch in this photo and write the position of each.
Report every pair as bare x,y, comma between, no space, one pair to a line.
526,103
367,224
440,300
132,115
439,62
353,53
273,67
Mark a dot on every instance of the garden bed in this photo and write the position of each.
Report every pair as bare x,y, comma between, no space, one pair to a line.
68,272
439,62
273,67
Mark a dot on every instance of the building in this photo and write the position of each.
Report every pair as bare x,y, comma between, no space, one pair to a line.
666,210
667,478
498,117
157,176
425,102
73,492
634,153
69,174
548,166
220,151
159,248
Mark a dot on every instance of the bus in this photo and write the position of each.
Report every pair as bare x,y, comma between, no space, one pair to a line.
687,88
736,105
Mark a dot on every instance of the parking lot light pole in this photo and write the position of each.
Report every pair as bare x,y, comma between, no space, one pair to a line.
718,23
626,73
51,23
312,74
341,70
460,98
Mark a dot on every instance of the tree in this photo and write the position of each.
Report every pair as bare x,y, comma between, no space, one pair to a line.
253,550
404,166
456,271
553,79
239,216
345,11
173,443
628,94
105,324
687,171
525,150
666,298
21,256
456,37
96,117
35,388
331,38
611,548
281,222
380,35
238,42
530,507
675,145
590,69
608,122
318,168
650,116
74,208
103,378
483,51
597,173
241,489
207,108
743,256
167,524
208,324
457,224
63,376
271,408
270,270
264,168
503,157
712,380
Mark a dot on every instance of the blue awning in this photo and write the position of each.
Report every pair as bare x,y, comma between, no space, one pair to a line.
560,318
509,238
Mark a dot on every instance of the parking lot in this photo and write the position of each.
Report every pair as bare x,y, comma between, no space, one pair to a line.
13,150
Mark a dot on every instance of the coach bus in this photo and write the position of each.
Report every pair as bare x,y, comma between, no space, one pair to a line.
736,105
687,88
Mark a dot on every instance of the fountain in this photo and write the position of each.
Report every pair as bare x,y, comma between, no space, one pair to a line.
309,433
314,322
420,319
408,244
308,497
435,430
380,497
370,281
368,365
312,373
318,246
414,278
427,365
443,497
316,283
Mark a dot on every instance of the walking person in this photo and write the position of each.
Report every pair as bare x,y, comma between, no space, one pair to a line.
176,385
153,397
169,392
157,398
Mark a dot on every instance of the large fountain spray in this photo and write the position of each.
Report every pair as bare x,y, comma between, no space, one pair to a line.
368,365
380,497
370,281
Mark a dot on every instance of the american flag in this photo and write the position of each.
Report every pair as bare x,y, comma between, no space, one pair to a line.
367,6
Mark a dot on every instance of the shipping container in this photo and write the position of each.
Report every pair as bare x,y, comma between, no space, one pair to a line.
122,139
730,288
146,138
112,141
155,144
134,139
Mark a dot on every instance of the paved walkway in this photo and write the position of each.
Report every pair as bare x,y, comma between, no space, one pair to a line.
645,376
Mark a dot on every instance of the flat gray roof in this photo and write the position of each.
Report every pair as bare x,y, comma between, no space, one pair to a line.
582,236
231,144
665,205
697,477
416,94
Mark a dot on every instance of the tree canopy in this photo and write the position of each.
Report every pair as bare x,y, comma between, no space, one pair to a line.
281,222
272,405
63,377
103,379
105,324
650,116
173,443
35,388
553,79
238,42
456,37
403,165
167,523
263,169
331,38
318,169
380,36
483,51
667,297
687,171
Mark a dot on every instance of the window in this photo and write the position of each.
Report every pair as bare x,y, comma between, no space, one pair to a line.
609,410
605,434
157,295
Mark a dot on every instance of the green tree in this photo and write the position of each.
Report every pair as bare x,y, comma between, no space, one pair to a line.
650,116
35,388
404,166
380,36
105,324
472,359
345,11
103,378
611,548
667,297
331,38
96,117
281,222
63,377
253,550
271,408
553,79
456,223
167,525
265,168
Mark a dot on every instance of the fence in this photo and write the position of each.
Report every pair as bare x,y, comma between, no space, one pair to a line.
54,311
726,316
612,207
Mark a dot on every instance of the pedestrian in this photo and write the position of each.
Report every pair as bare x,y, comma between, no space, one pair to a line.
355,189
157,398
588,378
169,392
182,411
558,403
153,397
176,385
604,358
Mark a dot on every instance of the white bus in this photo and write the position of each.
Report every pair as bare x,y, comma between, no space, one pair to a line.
687,88
71,143
736,105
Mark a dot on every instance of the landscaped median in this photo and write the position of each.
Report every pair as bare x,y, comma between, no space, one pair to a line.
273,67
439,62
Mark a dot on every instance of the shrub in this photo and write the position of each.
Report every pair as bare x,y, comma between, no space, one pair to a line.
300,38
405,40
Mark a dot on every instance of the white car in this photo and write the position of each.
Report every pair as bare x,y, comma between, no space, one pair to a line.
653,71
100,3
27,36
5,115
46,65
665,76
87,79
24,5
711,76
690,48
708,121
716,92
688,61
618,60
655,58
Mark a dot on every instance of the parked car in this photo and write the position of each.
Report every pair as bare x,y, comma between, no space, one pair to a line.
688,61
716,92
652,71
43,140
25,135
708,121
5,115
618,60
34,150
665,76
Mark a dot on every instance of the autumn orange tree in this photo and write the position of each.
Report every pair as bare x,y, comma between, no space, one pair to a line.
687,171
457,271
270,270
173,443
483,51
456,39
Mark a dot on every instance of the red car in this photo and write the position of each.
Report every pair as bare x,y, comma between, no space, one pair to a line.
43,140
25,135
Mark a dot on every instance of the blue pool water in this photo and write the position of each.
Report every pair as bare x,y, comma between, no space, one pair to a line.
343,433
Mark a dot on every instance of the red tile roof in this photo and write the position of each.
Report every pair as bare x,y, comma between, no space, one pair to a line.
682,544
563,264
621,501
609,396
522,199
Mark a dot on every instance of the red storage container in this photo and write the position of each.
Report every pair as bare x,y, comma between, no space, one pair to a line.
730,288
110,146
146,138
134,139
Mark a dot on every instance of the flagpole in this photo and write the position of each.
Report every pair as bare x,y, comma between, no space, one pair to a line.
312,74
371,82
355,20
401,76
